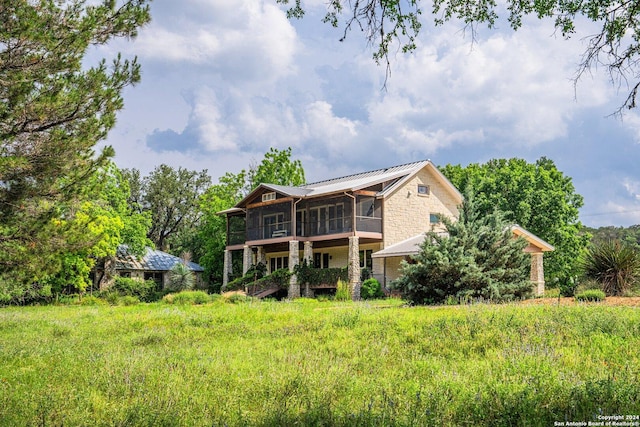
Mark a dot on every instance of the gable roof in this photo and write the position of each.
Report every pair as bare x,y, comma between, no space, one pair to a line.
153,260
411,246
354,182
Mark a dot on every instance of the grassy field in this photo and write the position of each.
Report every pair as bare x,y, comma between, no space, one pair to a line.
317,363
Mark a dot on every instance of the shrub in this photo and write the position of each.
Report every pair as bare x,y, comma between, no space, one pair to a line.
90,300
238,298
614,265
129,300
187,298
567,285
371,289
477,258
343,291
143,290
591,295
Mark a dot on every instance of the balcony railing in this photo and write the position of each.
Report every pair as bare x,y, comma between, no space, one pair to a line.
370,224
309,229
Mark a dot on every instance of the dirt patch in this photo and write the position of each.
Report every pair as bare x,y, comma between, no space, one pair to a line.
609,301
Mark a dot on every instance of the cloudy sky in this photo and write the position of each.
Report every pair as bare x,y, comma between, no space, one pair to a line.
223,81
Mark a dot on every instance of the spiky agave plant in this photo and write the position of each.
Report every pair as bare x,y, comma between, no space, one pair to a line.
615,265
181,278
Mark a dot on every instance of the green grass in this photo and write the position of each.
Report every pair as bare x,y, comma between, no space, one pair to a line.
317,363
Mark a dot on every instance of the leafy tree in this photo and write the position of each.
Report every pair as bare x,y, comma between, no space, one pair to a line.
276,168
388,22
53,111
626,235
172,198
536,196
616,266
477,257
97,229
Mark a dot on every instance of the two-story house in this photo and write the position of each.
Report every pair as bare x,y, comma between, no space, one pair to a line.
347,221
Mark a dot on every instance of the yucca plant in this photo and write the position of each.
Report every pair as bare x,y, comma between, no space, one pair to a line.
614,265
181,278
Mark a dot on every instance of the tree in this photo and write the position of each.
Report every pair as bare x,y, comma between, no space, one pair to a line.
477,257
172,198
387,22
99,227
536,196
53,111
275,168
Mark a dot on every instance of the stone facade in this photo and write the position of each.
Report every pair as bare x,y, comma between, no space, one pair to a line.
354,267
294,260
406,213
537,272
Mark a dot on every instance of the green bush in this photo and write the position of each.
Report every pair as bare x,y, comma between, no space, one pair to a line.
238,298
144,290
593,295
371,289
129,300
567,286
90,300
343,291
187,298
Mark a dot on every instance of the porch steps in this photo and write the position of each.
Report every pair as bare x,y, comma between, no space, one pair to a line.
266,292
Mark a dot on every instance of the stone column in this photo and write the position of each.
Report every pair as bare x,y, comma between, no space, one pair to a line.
354,267
261,256
294,259
247,255
307,255
226,268
537,272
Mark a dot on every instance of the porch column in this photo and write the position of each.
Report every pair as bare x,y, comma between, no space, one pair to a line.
261,255
537,272
247,255
294,259
308,252
307,255
354,267
226,268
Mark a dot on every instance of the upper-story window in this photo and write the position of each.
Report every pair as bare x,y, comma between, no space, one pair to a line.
269,196
423,190
434,218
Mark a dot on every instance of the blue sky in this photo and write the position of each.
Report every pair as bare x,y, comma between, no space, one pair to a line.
223,81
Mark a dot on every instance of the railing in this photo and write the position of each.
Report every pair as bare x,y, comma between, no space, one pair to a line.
309,228
271,231
370,224
237,237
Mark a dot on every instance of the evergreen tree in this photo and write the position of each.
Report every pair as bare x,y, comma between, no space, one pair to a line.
53,111
476,257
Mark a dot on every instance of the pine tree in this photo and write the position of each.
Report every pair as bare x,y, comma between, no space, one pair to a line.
476,257
53,112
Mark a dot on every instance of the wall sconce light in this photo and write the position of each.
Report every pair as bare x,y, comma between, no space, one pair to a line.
409,193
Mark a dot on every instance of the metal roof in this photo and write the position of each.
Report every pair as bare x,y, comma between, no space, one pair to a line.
153,260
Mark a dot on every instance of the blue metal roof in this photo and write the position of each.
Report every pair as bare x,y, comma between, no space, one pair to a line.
153,260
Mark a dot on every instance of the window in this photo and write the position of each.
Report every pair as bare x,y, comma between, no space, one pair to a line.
320,260
423,190
366,206
279,262
434,218
274,225
365,259
268,196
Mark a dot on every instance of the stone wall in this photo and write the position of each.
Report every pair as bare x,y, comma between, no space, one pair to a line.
406,213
